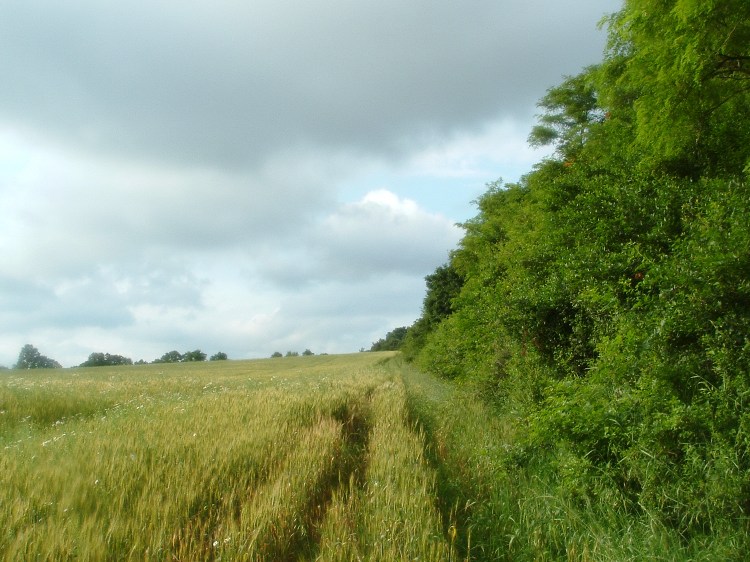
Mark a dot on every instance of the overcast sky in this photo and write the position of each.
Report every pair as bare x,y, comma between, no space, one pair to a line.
255,176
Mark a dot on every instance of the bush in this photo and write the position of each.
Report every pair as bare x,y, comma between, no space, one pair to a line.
393,340
30,358
105,359
170,357
190,356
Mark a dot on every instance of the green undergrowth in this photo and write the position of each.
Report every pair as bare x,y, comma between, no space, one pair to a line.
507,500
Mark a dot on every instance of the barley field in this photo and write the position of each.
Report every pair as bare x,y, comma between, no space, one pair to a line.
303,458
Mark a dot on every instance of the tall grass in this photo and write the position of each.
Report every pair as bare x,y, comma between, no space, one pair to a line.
510,503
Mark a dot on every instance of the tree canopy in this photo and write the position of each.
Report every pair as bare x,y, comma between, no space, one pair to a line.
393,340
173,356
605,297
105,359
30,358
195,355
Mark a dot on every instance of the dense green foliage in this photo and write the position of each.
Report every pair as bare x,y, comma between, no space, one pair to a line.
393,340
175,356
505,503
30,358
604,300
99,359
195,355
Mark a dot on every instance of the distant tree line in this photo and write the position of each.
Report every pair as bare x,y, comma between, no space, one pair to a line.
105,360
31,358
277,354
393,340
177,357
189,357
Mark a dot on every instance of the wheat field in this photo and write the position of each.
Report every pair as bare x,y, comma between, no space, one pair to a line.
304,458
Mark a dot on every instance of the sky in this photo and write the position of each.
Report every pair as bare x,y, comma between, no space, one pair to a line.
255,176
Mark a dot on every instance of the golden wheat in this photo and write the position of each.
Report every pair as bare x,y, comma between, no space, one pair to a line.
294,458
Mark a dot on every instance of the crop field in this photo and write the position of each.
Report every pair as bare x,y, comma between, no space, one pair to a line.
305,458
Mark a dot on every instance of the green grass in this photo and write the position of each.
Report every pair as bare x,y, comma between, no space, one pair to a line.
509,503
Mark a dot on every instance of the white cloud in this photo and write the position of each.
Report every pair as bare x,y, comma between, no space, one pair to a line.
379,234
328,284
384,233
500,145
66,213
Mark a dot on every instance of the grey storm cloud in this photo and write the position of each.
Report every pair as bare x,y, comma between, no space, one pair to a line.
228,83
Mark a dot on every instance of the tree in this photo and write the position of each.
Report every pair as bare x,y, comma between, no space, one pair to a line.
276,354
170,357
30,358
191,356
392,341
570,111
307,353
105,359
292,354
442,287
220,356
684,67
